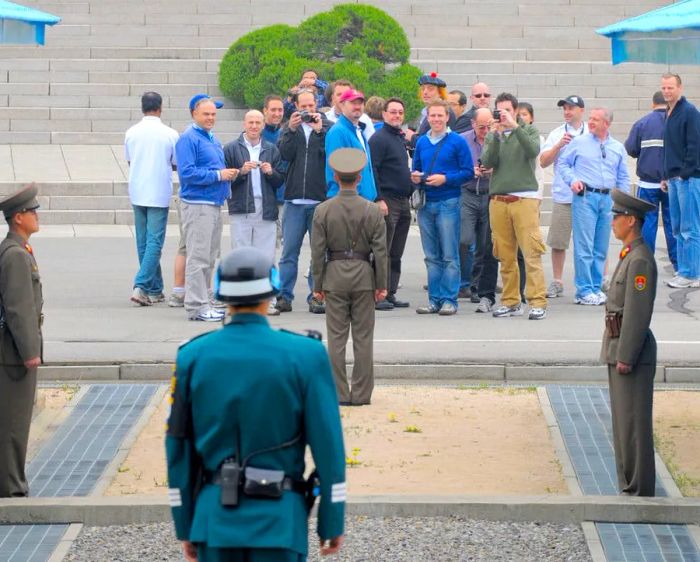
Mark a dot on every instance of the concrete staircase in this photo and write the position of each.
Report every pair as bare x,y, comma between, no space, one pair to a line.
84,86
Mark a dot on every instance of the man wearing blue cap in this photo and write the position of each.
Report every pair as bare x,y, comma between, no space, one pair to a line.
205,184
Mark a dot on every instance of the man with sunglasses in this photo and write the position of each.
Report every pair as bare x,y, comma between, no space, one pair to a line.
560,227
593,165
480,97
20,337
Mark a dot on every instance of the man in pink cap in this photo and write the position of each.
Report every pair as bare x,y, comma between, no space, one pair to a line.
349,132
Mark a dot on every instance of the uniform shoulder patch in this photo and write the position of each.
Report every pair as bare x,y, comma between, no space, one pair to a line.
640,282
313,334
185,342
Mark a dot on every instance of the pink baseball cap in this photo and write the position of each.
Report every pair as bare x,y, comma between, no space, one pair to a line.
352,95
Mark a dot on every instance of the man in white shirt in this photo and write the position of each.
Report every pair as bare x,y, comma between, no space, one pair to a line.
560,228
150,152
338,88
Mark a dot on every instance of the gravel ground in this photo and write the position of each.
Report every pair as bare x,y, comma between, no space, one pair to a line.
370,539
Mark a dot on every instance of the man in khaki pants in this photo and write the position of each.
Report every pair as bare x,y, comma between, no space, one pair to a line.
348,238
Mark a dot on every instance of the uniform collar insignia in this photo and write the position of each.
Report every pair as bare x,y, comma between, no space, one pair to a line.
625,251
28,248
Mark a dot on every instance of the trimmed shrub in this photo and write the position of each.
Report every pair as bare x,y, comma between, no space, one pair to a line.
353,41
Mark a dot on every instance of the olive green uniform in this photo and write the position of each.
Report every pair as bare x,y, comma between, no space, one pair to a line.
349,285
20,340
631,300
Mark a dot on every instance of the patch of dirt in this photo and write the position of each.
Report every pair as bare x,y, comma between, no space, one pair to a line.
677,433
49,404
413,440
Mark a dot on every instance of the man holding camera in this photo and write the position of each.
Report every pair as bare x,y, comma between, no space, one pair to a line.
302,145
252,206
511,148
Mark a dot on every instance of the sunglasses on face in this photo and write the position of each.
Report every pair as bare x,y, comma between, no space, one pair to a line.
479,96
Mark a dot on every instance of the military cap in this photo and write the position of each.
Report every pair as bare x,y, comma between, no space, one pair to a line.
433,79
347,162
23,200
625,204
245,276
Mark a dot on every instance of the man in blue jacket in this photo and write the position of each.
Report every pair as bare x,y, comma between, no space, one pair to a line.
205,184
246,401
681,176
646,143
349,132
442,162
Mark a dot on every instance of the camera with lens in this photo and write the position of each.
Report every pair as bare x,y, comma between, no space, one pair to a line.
496,114
307,117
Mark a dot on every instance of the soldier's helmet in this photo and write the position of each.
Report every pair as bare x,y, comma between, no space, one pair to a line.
245,276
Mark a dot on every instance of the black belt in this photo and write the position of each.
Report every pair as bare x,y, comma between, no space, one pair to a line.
348,255
595,189
288,484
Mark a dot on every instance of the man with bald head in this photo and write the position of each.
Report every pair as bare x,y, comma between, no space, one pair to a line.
475,225
480,97
252,207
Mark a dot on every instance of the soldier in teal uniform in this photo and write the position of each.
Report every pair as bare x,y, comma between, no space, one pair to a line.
246,400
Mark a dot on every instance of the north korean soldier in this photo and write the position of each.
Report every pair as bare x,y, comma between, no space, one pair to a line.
348,259
20,337
246,400
629,348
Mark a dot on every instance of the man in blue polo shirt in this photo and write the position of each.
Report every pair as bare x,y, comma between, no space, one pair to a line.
205,184
593,164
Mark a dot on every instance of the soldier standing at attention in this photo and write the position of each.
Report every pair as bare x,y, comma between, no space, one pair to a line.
20,337
246,400
629,348
348,238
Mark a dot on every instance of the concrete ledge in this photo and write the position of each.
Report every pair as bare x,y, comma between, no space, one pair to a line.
567,374
102,511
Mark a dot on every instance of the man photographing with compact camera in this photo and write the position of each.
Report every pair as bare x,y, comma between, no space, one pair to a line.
302,144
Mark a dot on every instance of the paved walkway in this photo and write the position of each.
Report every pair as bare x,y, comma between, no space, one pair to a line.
88,273
72,461
584,418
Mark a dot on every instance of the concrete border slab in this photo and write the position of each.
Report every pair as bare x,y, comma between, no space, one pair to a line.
122,510
682,374
79,372
145,371
595,546
67,540
556,373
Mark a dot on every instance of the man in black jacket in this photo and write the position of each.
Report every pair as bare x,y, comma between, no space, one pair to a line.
393,178
252,207
681,176
302,145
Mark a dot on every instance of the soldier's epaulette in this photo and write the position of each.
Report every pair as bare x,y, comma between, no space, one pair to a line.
313,334
185,342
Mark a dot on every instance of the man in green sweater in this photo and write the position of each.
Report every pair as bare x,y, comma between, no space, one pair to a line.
511,148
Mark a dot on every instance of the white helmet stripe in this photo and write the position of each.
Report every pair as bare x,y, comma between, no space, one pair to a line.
245,288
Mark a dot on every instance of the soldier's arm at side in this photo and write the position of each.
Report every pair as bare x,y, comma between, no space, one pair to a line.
639,303
318,248
182,459
21,316
325,437
379,249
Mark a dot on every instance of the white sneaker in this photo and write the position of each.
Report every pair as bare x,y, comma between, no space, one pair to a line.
602,297
591,299
140,297
272,310
537,313
680,282
504,311
485,305
210,315
217,303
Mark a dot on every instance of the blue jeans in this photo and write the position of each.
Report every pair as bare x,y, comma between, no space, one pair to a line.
659,198
684,202
296,222
591,217
150,223
439,223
